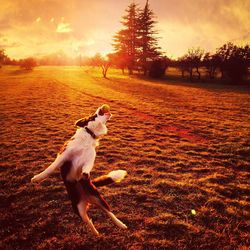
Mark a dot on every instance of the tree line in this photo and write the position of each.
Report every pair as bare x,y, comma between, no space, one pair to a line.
228,62
58,58
136,48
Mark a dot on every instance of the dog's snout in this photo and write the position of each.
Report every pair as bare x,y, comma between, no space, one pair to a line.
109,115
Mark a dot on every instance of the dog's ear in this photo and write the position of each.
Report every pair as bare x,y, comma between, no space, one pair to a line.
81,122
84,121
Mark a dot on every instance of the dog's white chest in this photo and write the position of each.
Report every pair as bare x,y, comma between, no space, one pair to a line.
82,160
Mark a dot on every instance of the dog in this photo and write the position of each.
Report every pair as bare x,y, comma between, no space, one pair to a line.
76,160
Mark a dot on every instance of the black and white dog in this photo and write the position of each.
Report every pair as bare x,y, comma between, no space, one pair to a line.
76,160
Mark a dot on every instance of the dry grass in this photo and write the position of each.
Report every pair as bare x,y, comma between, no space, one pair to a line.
185,147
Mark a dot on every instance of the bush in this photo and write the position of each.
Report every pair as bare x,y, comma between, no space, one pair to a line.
157,68
28,63
236,69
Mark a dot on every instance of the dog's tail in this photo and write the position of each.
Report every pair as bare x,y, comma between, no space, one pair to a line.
112,177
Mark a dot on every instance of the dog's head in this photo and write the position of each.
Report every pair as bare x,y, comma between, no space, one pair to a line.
103,113
97,122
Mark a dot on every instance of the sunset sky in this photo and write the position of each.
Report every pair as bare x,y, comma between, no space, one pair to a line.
38,27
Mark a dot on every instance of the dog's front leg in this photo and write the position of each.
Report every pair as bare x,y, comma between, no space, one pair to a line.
49,170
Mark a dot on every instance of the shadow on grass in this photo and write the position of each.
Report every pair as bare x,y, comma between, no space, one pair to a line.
20,72
204,83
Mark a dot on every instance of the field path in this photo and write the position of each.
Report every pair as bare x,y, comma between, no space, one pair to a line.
184,147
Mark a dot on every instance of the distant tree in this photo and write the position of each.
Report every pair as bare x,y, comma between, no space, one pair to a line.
211,63
182,64
118,61
2,57
96,60
8,61
99,61
106,63
190,61
223,54
195,57
28,63
126,40
149,49
234,61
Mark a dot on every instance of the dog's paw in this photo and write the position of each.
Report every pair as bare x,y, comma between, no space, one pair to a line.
123,226
35,179
85,176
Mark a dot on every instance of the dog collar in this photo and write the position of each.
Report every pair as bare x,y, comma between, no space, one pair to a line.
90,132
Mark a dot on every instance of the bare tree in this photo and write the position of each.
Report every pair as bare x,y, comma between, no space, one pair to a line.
211,63
190,61
99,61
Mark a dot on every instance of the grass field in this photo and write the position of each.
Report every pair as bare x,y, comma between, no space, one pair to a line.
185,147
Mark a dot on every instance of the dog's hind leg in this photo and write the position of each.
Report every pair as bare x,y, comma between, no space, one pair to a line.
82,208
105,207
96,198
118,223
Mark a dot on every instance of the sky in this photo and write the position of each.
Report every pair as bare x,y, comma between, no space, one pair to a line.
39,27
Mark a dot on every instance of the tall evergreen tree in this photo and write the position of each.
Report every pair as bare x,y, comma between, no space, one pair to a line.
149,49
126,40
